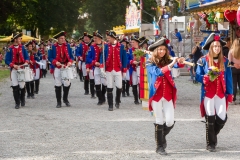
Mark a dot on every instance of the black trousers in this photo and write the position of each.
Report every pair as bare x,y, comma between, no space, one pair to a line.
236,81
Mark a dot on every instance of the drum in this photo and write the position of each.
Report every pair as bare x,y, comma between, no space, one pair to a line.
21,75
66,73
74,71
29,76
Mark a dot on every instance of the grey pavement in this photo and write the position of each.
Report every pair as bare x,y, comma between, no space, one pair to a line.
39,131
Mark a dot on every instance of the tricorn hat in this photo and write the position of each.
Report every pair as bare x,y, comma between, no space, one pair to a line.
211,38
16,35
143,40
80,38
160,42
62,33
124,40
135,38
111,33
29,43
88,35
97,34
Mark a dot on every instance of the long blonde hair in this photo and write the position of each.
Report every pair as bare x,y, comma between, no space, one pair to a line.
162,61
235,49
220,57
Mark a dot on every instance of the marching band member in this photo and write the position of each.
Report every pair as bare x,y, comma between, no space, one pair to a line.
60,56
15,57
134,67
162,90
81,54
114,60
126,81
80,40
41,51
217,90
93,63
143,43
35,52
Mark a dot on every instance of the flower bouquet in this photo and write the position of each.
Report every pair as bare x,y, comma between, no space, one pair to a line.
138,54
213,73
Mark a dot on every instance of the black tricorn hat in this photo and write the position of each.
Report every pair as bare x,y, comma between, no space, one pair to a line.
62,33
111,34
29,43
160,42
143,40
88,35
97,34
41,42
135,38
80,38
124,40
16,35
211,38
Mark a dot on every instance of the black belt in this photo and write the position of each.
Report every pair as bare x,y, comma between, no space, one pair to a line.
19,63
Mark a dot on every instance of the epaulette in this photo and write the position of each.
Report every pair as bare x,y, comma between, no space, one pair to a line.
200,62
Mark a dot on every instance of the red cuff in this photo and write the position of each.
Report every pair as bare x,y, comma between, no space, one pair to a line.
54,62
93,62
11,65
165,69
26,61
131,62
206,79
124,70
101,66
88,66
180,65
230,98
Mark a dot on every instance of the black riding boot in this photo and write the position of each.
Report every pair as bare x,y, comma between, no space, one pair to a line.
22,96
110,98
104,89
36,86
42,70
159,136
219,124
166,130
99,94
80,75
86,86
210,133
123,88
127,87
135,94
65,95
16,96
92,84
58,91
45,73
118,96
28,89
32,89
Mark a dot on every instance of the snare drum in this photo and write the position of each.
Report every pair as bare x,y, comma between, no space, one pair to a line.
21,75
29,76
66,73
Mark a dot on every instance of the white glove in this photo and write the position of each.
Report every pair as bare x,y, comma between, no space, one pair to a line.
124,75
103,73
173,62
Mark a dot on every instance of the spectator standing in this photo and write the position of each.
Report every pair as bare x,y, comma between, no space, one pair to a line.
196,51
226,47
180,42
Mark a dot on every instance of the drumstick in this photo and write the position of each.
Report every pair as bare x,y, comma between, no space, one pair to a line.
184,62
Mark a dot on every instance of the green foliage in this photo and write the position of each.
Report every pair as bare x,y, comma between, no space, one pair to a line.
4,74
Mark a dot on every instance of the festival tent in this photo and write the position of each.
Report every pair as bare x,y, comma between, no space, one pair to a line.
25,38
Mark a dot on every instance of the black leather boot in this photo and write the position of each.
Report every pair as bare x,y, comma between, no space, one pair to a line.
65,95
92,84
210,133
219,124
118,96
80,75
45,73
22,96
99,94
127,87
166,130
58,91
123,88
36,86
104,89
86,86
159,136
28,90
32,89
135,94
16,96
110,98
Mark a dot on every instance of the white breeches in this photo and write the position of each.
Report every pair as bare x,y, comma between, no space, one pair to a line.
114,76
97,77
37,74
14,79
58,78
84,69
215,105
127,78
136,76
45,64
91,76
163,108
80,65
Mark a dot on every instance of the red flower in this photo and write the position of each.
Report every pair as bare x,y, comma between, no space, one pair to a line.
167,41
216,38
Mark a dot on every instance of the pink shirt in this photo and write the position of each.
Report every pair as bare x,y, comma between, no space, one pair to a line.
232,59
